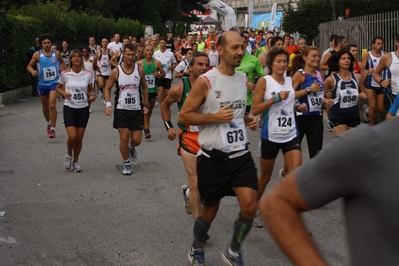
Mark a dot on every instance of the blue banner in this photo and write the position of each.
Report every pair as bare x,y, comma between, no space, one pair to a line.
263,20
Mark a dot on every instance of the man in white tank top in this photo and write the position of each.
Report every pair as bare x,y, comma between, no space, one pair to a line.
129,110
217,103
213,55
389,61
374,91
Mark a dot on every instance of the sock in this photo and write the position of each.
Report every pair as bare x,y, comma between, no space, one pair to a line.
49,123
201,227
52,128
127,161
187,192
242,227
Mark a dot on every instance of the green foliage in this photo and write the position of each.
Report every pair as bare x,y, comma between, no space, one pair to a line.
17,34
73,26
306,18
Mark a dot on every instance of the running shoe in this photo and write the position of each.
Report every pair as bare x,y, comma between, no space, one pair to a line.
232,258
366,113
328,126
51,135
68,162
281,174
90,110
133,154
257,222
76,167
186,203
196,257
147,133
127,170
48,129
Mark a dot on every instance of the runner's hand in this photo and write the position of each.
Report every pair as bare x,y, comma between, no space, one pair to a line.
171,133
251,122
108,111
225,114
363,96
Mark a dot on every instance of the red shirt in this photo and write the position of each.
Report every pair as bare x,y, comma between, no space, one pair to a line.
208,40
356,68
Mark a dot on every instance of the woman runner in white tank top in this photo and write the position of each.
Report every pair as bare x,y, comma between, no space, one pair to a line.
275,98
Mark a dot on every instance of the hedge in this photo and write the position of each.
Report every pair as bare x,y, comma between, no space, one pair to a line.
19,28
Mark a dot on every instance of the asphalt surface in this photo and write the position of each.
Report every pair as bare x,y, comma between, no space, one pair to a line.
100,217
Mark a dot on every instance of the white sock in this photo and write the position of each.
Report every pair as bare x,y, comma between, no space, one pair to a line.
187,192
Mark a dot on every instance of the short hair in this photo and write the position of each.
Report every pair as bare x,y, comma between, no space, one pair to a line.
338,40
45,36
300,39
377,38
334,60
129,46
196,55
141,46
332,37
125,38
162,39
271,55
185,50
86,48
275,39
286,35
349,46
196,44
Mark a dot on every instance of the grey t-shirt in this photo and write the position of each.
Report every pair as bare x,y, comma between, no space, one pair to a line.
362,166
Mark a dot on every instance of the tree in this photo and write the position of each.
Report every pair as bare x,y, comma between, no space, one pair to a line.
308,14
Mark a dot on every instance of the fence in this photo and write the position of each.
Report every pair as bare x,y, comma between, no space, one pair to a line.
361,30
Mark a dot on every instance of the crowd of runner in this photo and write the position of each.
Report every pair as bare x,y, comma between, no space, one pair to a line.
227,82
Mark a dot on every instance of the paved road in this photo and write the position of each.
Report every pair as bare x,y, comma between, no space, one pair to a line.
100,217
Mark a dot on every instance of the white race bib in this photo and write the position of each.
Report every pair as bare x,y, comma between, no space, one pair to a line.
50,73
283,123
129,101
315,100
78,97
234,135
150,81
194,129
348,98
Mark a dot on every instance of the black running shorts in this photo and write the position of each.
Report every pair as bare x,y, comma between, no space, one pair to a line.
76,117
216,176
133,120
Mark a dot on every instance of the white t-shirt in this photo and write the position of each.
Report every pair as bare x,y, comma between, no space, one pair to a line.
166,58
76,84
89,67
114,46
182,66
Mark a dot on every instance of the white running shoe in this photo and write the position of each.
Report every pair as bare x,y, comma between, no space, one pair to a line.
76,167
257,222
127,170
186,203
68,162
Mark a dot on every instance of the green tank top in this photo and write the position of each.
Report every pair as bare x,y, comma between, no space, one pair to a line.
186,91
152,82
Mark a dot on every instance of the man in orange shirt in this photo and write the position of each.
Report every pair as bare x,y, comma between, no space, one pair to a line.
211,37
287,44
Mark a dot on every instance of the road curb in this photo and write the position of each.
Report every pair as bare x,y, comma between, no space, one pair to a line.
10,96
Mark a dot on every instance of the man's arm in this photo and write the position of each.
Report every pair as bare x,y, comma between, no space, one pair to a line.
384,62
174,95
32,63
161,71
195,99
281,210
107,91
114,58
144,91
324,63
62,62
363,64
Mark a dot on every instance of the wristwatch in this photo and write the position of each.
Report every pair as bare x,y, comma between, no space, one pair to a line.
308,89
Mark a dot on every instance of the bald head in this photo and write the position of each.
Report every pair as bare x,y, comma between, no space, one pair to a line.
228,36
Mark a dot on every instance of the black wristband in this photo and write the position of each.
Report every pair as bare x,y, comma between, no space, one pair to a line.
380,81
168,124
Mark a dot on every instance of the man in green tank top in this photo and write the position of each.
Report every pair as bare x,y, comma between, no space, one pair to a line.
153,70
